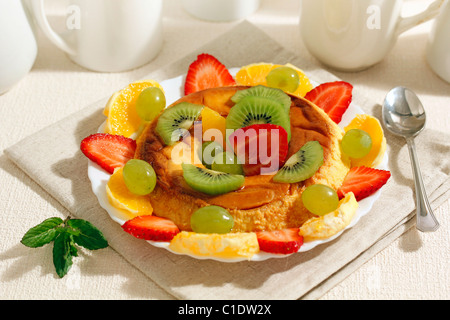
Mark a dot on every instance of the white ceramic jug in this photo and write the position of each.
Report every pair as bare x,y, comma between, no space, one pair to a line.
438,51
107,35
221,10
352,35
18,47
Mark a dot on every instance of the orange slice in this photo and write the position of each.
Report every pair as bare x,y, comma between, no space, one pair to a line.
228,246
213,120
120,197
121,112
319,228
255,74
372,126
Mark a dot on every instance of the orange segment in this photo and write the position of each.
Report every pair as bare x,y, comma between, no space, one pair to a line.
213,120
228,246
255,74
120,197
373,127
319,228
305,85
121,112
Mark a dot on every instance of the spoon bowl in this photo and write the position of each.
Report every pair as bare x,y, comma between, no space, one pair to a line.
404,115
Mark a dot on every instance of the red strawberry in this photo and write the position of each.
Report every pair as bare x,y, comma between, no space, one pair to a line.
151,228
284,241
108,151
363,182
205,73
333,97
256,149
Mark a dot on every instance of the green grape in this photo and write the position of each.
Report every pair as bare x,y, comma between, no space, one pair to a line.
150,103
320,199
139,176
283,78
209,151
212,219
227,162
356,143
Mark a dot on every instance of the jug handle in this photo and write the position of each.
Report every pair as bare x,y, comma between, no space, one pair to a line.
37,7
409,22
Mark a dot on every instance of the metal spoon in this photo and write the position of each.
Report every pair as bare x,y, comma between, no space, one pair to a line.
404,115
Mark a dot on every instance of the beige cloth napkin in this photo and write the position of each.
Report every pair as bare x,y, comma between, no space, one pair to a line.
52,158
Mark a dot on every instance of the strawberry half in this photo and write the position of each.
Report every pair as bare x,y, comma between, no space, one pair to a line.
363,182
333,97
207,72
262,148
284,241
108,151
151,228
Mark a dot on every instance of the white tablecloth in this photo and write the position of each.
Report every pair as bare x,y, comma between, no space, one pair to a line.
413,267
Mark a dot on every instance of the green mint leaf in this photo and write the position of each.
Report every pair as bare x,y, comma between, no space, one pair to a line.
89,236
65,234
62,253
43,233
72,231
73,248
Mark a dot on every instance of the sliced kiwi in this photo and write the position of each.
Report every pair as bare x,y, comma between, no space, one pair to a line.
265,92
175,121
302,165
211,182
252,110
208,152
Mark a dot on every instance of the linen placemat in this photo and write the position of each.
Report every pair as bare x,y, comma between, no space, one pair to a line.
52,158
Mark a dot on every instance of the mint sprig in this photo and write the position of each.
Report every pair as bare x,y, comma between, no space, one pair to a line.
65,235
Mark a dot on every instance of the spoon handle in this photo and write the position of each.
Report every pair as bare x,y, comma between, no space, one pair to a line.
426,221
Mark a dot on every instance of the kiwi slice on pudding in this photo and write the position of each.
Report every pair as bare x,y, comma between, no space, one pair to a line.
302,165
252,110
209,151
175,121
265,92
211,182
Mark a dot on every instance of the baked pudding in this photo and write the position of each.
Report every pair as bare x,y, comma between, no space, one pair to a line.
261,203
238,165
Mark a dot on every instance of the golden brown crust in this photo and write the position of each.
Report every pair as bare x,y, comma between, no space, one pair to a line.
261,204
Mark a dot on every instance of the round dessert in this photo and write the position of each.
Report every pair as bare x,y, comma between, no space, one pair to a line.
260,202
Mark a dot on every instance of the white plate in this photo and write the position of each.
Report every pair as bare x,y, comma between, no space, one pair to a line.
174,90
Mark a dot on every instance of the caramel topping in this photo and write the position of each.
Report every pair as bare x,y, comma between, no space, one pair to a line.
257,191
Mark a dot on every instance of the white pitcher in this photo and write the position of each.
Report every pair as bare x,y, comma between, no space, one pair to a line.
18,47
352,35
438,49
221,10
107,35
